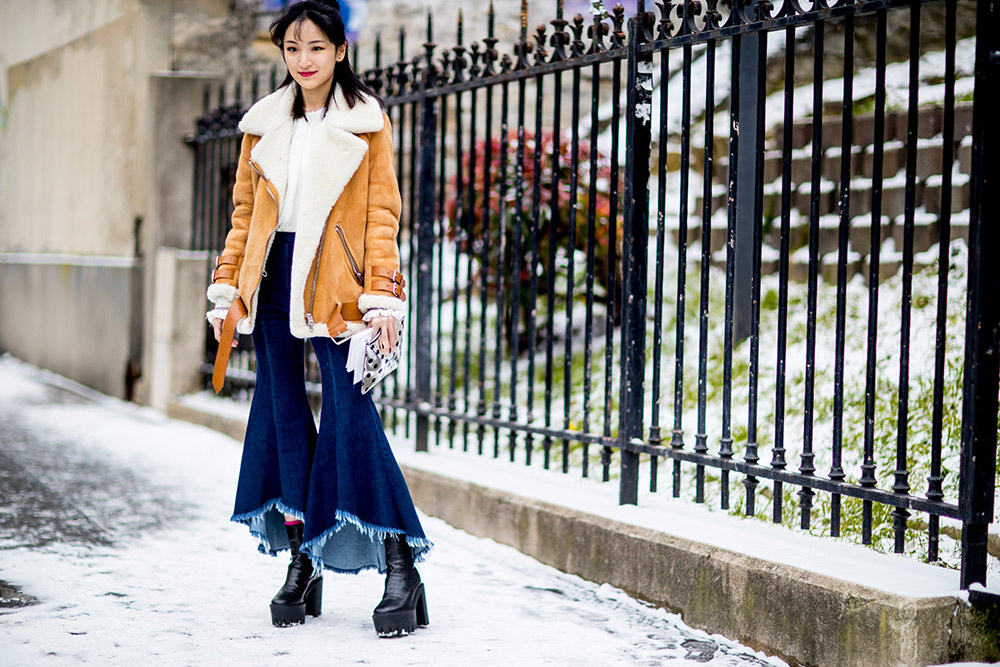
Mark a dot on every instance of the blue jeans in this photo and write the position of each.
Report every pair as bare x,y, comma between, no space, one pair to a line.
341,480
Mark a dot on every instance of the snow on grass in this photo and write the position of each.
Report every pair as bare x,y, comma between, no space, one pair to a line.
589,404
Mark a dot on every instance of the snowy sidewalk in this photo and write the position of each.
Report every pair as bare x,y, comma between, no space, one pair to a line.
115,519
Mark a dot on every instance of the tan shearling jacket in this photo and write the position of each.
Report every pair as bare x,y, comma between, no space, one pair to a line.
347,225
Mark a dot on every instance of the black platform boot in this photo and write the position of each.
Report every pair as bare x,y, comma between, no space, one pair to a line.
303,589
404,605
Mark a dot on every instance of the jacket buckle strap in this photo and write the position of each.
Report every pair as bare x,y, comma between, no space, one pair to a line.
224,272
389,274
336,324
228,259
387,286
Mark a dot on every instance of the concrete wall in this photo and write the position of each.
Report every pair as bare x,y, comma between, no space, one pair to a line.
175,308
65,313
94,174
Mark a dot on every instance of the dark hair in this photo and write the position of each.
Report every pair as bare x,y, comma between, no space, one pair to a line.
326,16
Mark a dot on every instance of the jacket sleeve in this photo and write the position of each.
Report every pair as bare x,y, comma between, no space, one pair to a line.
384,284
223,290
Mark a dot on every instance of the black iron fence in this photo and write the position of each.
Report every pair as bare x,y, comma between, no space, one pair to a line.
748,242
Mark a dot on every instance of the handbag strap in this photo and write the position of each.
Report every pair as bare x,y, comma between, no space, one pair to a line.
237,311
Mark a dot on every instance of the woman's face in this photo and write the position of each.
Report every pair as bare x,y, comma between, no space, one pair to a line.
311,57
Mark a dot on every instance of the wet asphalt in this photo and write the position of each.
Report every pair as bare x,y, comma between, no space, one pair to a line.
53,492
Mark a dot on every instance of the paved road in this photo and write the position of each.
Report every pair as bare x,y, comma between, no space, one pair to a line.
115,549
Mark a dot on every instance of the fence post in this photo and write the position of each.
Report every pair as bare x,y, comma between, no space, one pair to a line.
425,241
635,239
982,328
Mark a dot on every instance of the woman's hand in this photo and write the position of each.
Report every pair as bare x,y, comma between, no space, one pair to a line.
217,328
387,330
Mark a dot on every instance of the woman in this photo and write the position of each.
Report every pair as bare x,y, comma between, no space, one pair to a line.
312,253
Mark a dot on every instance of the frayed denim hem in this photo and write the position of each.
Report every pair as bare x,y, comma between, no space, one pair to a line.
316,547
249,519
359,544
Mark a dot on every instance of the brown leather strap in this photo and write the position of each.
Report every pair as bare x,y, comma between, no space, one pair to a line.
389,274
337,324
237,312
388,286
224,272
235,260
350,311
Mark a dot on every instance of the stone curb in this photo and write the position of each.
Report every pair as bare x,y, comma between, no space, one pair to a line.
803,617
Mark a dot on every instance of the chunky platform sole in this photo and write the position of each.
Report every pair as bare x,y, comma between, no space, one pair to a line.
406,620
284,615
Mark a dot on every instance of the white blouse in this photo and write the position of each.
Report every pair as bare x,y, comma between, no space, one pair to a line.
303,130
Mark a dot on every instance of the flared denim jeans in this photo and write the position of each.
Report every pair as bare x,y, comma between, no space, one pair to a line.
341,480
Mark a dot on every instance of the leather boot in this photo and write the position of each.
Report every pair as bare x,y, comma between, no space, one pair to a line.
404,604
303,589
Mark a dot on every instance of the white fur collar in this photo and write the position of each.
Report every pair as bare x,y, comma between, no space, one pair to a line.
329,165
271,111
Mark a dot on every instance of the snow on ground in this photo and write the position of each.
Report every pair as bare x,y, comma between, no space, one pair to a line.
116,519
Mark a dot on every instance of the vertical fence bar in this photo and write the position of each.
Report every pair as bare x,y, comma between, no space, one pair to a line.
467,221
935,481
982,328
901,475
574,184
439,337
732,192
806,466
425,241
655,437
534,225
701,438
517,287
846,128
868,464
778,452
677,434
597,31
460,242
635,230
488,57
611,290
501,255
559,39
751,456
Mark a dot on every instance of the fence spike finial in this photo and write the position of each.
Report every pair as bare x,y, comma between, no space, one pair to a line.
524,21
490,54
460,27
597,31
523,48
560,38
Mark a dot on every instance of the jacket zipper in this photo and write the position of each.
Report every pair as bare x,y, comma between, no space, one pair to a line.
359,276
267,183
312,298
270,240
